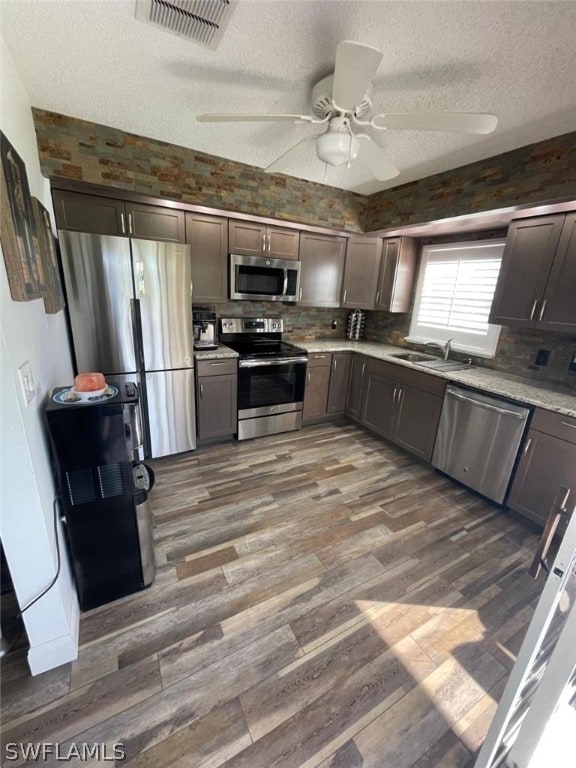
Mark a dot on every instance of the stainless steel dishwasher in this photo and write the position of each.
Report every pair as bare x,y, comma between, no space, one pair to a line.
478,440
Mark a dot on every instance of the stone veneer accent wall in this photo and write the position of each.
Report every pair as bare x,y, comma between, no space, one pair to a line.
78,149
531,174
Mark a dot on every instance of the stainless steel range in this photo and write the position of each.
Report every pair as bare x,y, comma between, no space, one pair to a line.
271,375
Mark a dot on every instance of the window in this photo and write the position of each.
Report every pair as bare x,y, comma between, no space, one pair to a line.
456,285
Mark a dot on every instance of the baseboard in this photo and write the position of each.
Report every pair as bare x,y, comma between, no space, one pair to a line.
60,651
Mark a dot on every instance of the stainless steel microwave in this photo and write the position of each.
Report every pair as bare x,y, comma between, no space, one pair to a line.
259,278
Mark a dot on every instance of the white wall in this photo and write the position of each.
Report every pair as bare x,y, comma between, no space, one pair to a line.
27,333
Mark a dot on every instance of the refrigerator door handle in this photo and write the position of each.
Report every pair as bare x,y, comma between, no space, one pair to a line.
137,332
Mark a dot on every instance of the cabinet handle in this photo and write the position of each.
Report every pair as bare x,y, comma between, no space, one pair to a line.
527,446
123,223
394,395
344,297
319,357
542,310
201,390
567,424
300,295
130,223
191,288
269,246
533,309
308,378
334,361
263,242
377,297
214,364
363,369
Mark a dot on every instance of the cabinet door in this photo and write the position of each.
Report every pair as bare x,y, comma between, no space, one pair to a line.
356,386
216,406
526,263
322,259
155,222
361,272
89,213
246,238
339,380
316,395
546,464
397,271
282,243
559,312
379,408
208,240
416,422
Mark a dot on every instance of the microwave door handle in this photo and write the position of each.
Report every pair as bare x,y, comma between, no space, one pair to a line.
285,286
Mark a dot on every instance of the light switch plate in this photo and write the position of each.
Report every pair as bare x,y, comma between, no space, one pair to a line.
27,383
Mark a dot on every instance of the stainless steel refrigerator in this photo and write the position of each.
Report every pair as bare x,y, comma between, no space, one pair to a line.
130,310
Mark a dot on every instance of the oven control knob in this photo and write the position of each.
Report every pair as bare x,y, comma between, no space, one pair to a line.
268,263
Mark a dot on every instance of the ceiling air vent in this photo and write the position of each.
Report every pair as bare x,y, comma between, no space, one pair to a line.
202,21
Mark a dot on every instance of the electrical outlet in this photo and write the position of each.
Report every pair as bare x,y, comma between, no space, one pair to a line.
542,357
334,324
27,383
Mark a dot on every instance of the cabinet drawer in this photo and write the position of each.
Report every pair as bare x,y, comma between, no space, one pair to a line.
556,424
319,359
216,367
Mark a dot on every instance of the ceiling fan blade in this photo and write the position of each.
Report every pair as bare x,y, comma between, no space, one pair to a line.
374,160
241,117
438,121
356,65
292,154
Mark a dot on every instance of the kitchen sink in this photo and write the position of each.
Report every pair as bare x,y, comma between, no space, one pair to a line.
443,365
414,357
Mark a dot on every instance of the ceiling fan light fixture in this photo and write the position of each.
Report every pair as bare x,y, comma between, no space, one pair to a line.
337,148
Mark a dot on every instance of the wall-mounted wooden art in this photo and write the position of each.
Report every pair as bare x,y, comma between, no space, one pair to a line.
20,244
54,298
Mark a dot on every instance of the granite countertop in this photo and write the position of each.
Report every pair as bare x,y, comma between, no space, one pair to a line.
215,354
496,382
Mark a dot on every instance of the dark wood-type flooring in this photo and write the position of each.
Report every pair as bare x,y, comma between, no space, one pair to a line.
322,600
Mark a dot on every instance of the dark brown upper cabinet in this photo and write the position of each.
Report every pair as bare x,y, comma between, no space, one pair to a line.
107,216
248,238
361,271
379,274
322,259
208,240
397,273
89,213
155,222
536,286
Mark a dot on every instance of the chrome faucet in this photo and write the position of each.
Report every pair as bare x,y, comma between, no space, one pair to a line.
444,348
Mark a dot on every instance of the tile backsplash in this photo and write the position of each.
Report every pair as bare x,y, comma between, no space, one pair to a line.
516,353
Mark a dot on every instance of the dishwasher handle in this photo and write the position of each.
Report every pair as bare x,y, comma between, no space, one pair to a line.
481,404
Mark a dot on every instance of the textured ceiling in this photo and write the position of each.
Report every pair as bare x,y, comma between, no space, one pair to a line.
91,59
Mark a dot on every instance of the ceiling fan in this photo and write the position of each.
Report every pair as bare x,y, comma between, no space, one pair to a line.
342,101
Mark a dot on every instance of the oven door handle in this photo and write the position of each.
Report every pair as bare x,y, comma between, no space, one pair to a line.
278,361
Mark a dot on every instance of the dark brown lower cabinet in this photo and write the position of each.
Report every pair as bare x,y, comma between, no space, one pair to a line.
216,399
548,462
317,385
339,380
356,386
403,405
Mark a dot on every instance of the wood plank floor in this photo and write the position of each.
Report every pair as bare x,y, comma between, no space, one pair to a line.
322,600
